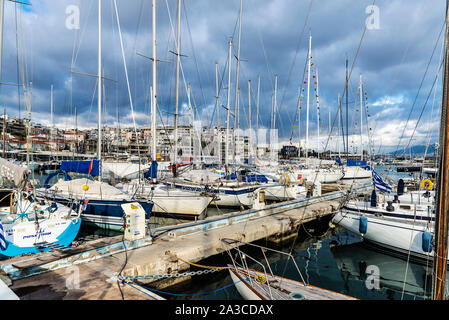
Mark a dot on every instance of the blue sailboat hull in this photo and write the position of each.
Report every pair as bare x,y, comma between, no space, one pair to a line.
64,239
107,214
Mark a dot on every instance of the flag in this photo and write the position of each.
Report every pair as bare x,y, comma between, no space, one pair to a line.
90,166
380,184
3,244
86,201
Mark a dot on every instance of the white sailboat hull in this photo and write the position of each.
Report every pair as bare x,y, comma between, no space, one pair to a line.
321,176
25,234
170,200
254,285
243,289
234,200
285,192
356,175
399,234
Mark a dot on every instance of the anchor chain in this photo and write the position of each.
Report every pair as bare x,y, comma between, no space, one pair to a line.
167,275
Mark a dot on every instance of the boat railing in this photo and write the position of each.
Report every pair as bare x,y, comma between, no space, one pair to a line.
231,242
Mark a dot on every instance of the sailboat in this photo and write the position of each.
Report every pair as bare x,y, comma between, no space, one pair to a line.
402,225
311,170
356,171
442,187
103,206
418,228
226,192
168,201
265,285
31,225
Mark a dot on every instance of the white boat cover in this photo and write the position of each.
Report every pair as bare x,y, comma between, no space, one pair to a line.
201,176
124,169
75,187
12,172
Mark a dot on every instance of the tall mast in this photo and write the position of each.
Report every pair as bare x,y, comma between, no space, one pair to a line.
228,104
237,118
237,92
178,60
318,110
4,133
2,15
99,88
217,105
52,107
249,115
361,118
299,122
76,130
52,117
258,101
442,186
347,108
249,103
217,101
309,58
238,67
275,100
329,126
274,115
338,136
154,91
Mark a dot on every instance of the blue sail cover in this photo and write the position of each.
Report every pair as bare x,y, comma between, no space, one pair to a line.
81,167
248,178
355,163
152,172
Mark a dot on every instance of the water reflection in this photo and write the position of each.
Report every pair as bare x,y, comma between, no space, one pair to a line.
396,274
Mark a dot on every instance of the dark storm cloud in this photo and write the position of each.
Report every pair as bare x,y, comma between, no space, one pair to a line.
392,59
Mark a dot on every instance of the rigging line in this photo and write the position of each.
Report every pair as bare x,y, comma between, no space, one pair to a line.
219,89
17,54
127,79
429,132
292,66
298,104
135,45
266,59
330,133
181,67
115,75
194,55
397,73
420,86
82,34
425,104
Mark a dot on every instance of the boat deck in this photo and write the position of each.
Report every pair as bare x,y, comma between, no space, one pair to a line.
89,271
279,288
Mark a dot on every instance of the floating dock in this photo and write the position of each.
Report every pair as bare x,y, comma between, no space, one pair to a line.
90,270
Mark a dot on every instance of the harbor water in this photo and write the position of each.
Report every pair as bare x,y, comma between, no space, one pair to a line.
328,257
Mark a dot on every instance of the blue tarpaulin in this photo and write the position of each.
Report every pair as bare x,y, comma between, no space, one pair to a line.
81,167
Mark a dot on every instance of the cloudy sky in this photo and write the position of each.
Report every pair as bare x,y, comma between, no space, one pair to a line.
398,59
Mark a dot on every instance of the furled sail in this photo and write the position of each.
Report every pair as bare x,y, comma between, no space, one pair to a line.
13,173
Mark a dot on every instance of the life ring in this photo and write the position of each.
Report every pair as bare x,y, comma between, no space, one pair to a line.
285,180
427,184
